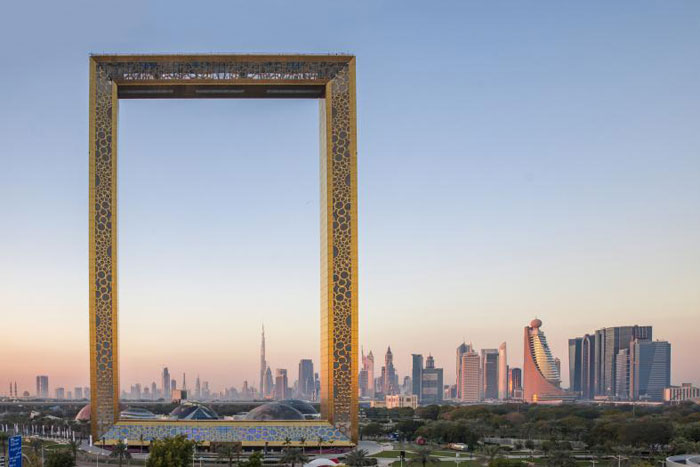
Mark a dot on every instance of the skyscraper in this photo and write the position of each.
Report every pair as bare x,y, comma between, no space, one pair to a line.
407,386
470,371
650,369
431,382
461,350
594,371
587,367
306,379
599,363
197,388
540,374
268,384
281,384
416,374
489,372
515,383
263,362
368,367
362,381
166,383
575,364
154,391
391,380
502,372
622,374
42,386
617,338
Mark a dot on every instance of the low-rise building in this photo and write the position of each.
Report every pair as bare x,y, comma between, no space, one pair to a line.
684,392
401,400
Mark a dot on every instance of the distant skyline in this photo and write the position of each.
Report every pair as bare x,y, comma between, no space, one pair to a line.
515,160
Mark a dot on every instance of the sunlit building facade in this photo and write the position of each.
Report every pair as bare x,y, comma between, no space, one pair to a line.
470,389
502,372
540,371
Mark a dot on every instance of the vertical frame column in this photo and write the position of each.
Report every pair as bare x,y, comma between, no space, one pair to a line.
104,351
339,321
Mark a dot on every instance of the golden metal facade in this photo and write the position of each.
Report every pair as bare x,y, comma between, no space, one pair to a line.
329,78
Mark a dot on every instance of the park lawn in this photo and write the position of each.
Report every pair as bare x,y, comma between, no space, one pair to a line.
394,454
387,454
473,463
452,453
464,463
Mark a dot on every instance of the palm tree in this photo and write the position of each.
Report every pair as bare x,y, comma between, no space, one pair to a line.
227,452
560,458
293,456
320,445
302,441
287,441
35,445
74,445
3,439
490,451
423,457
121,452
238,447
357,458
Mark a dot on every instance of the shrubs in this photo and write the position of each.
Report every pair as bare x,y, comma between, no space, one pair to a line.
171,452
59,459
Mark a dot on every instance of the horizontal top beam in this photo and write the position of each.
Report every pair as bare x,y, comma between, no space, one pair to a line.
220,91
112,58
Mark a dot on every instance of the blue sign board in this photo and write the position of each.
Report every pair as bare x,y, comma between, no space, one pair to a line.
15,453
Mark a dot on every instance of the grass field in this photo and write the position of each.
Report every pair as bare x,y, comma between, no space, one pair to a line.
392,454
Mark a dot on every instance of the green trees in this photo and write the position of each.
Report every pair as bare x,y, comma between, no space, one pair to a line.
503,462
561,458
229,451
74,445
372,430
59,459
171,452
429,412
121,452
293,456
691,432
255,460
357,458
423,457
3,440
490,452
645,434
682,445
444,431
407,428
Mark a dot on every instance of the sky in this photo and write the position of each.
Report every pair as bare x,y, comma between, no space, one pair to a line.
515,159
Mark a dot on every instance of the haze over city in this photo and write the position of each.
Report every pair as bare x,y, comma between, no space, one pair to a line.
514,162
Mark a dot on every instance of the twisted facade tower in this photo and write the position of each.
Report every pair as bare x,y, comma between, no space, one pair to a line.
540,373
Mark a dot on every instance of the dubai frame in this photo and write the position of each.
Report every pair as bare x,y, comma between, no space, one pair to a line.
331,80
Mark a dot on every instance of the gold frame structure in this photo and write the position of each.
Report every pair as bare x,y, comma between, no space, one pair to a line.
328,78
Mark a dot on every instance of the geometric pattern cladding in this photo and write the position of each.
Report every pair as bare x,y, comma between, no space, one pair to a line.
328,78
249,434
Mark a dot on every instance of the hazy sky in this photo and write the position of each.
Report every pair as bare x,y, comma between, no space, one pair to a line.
515,159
